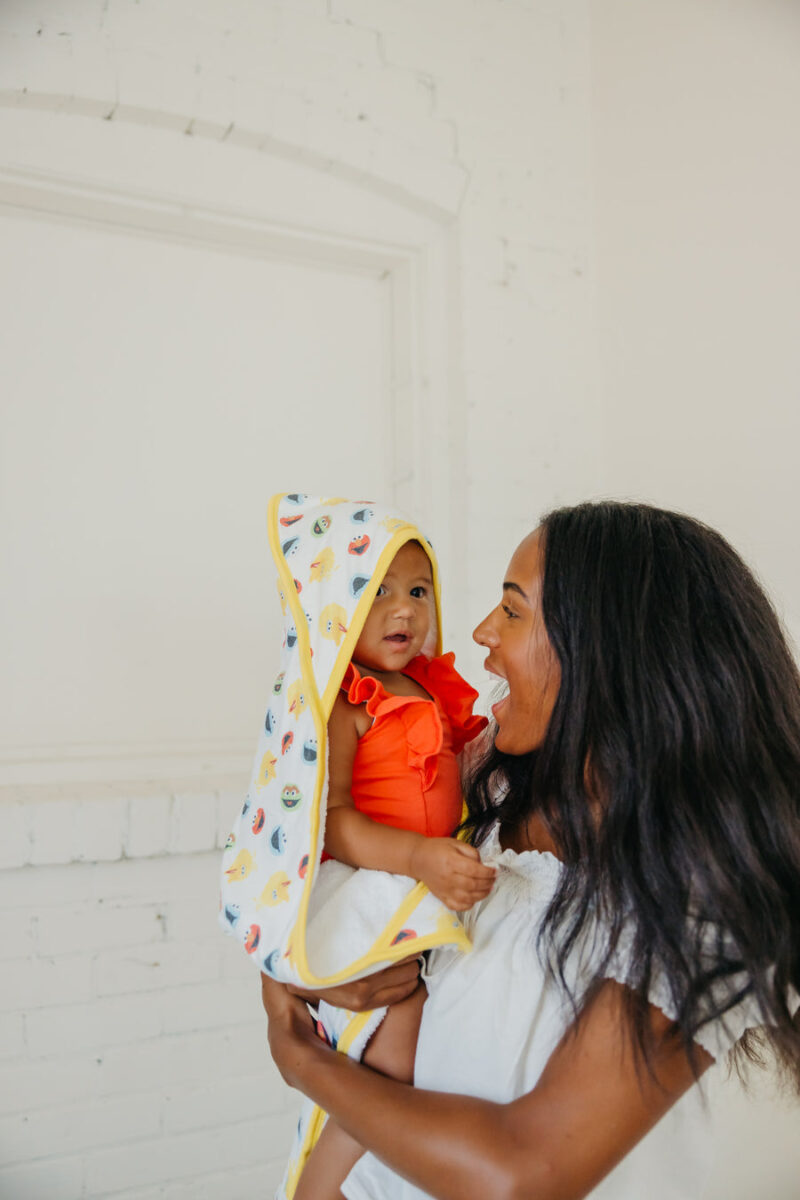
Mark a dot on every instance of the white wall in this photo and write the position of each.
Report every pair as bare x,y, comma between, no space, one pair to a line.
697,186
534,185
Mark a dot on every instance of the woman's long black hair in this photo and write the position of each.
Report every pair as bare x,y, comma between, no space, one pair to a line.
669,776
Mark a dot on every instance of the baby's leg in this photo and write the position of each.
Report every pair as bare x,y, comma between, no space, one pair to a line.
393,1046
391,1051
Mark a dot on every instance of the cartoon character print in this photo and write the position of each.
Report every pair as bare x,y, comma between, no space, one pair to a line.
310,750
359,545
323,565
276,891
296,697
362,516
286,741
321,526
403,936
392,524
277,840
291,796
242,866
270,963
252,938
333,623
266,771
258,821
289,547
357,585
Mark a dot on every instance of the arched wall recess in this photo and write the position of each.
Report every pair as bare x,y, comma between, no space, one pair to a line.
77,190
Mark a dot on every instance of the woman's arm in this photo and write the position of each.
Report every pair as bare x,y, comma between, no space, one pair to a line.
589,1108
452,870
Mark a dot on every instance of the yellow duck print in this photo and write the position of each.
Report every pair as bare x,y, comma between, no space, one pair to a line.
333,622
296,698
323,565
266,771
276,891
392,523
241,867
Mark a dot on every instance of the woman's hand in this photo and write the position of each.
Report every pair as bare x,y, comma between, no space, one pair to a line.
389,986
452,870
293,1041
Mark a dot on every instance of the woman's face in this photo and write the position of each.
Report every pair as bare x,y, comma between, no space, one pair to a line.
520,652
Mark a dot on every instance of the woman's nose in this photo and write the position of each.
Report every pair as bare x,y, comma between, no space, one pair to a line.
485,634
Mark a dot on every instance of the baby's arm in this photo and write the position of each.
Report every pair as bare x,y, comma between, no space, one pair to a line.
451,869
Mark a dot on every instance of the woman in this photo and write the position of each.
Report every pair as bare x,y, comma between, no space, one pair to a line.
641,805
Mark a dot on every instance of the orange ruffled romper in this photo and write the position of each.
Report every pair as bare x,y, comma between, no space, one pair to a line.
405,771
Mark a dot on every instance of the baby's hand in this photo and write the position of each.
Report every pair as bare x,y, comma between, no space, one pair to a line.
453,871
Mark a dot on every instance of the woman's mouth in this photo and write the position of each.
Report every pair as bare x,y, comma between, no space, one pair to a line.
501,689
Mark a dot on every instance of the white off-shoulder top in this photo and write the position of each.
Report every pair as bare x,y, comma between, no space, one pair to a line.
493,1018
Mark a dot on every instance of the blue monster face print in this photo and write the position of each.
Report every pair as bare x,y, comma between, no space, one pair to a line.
291,637
296,497
357,585
269,720
232,913
269,964
246,807
362,515
277,840
289,547
310,750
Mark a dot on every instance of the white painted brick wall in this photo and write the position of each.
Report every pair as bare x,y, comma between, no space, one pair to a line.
132,1043
133,1047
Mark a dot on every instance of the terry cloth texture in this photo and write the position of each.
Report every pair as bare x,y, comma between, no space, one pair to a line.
301,923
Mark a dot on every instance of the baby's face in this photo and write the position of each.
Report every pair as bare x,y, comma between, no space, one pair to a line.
400,617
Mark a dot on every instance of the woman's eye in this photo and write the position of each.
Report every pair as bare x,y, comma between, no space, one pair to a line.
509,611
419,592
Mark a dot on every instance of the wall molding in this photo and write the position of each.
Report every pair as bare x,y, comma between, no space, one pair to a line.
146,182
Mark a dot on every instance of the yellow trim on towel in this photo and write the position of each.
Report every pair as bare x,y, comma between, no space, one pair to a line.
382,950
315,1126
317,1120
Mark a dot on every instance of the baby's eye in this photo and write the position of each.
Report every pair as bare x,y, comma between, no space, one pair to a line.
381,591
419,592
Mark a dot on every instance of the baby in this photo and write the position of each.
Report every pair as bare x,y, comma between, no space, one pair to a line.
394,798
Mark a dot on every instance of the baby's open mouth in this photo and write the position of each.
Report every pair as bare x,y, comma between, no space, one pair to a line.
399,639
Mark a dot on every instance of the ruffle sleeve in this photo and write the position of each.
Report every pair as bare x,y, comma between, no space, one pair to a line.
718,1035
419,719
439,677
